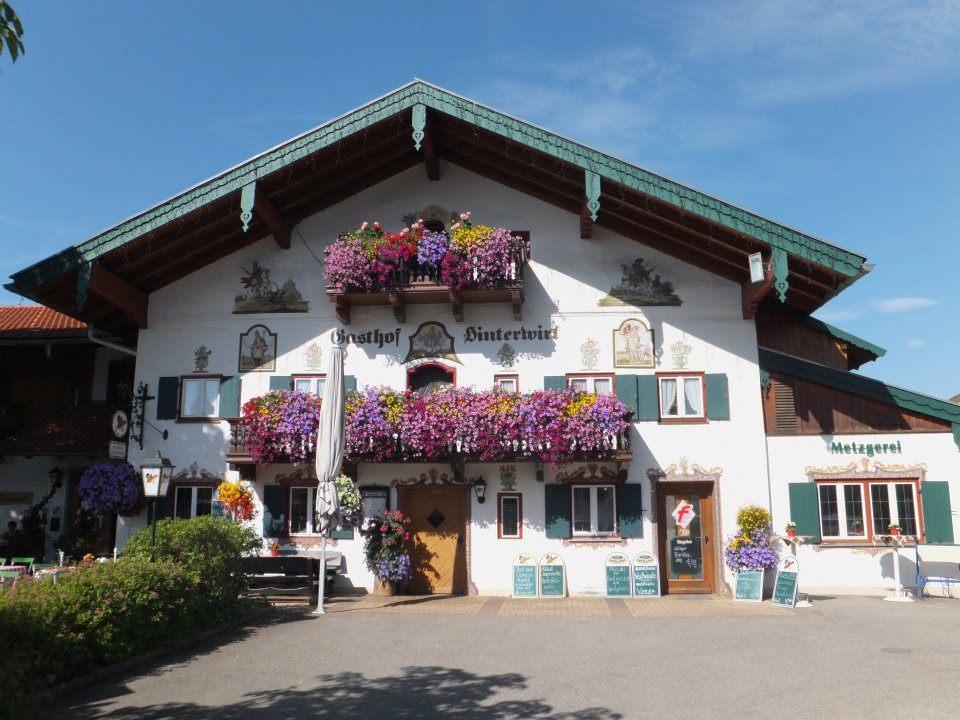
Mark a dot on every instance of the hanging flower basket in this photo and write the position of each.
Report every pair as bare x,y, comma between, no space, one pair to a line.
111,488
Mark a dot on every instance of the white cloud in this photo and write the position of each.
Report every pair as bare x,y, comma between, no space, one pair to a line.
903,304
914,343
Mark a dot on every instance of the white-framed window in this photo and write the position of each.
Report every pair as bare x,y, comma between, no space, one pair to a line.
509,516
599,384
199,397
594,510
681,397
310,384
507,383
303,519
894,502
842,510
191,501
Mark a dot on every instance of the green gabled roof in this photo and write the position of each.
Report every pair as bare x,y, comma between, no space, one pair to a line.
845,336
420,93
772,361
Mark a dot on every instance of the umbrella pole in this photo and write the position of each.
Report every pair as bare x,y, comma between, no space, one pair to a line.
323,576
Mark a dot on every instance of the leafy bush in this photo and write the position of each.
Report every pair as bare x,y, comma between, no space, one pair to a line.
211,549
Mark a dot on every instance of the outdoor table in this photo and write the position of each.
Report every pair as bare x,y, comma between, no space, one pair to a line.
22,569
895,542
795,542
42,571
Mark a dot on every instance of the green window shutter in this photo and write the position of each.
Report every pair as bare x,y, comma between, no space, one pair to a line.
274,519
557,510
281,382
350,382
630,504
805,509
342,534
626,387
937,518
554,382
648,398
168,395
230,396
718,397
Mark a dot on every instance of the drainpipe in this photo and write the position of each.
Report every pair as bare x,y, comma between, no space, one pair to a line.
106,343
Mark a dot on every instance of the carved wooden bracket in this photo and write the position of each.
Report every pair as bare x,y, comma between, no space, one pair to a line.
119,293
752,293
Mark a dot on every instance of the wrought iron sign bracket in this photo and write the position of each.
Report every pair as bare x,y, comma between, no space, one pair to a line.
138,415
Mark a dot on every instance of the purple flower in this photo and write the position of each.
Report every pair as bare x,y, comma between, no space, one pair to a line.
431,248
111,488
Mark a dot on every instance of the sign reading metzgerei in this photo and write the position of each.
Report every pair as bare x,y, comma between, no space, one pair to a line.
842,447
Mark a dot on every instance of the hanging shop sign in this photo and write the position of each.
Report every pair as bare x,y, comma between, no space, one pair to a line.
617,575
524,576
749,586
868,449
117,450
120,424
553,576
646,575
683,514
785,587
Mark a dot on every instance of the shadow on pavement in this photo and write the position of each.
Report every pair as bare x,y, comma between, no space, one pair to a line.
416,693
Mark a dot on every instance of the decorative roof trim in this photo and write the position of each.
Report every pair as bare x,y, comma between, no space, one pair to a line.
419,92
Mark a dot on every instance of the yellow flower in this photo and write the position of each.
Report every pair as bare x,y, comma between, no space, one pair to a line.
466,238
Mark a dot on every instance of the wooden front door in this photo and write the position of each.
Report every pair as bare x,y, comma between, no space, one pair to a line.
438,529
687,554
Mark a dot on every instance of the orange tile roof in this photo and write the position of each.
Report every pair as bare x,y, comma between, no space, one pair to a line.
83,430
36,322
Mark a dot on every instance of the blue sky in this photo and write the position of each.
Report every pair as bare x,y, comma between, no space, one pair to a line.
840,119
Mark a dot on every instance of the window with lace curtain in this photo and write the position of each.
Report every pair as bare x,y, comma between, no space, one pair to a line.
681,397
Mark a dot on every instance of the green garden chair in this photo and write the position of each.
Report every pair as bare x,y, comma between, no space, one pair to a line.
28,561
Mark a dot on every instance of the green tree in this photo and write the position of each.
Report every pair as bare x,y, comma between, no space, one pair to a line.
11,30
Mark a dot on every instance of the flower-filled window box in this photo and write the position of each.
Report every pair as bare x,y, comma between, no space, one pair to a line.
386,425
464,263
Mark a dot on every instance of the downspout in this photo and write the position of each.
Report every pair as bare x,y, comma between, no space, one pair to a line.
106,343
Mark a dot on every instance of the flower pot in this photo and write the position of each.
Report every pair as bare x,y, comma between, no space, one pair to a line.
791,533
384,588
274,553
895,532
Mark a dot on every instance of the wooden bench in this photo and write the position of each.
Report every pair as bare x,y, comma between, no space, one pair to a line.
285,577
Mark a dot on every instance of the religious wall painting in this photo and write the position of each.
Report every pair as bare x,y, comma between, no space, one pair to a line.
201,359
633,345
261,294
313,357
431,340
641,285
258,350
508,477
680,353
589,354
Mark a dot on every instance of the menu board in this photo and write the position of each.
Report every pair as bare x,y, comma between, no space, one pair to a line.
552,576
646,575
749,586
617,575
524,576
785,587
685,556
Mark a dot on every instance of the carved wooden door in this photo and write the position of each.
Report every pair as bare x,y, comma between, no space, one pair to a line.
438,539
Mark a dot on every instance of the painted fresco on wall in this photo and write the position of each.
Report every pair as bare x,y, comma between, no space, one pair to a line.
641,285
261,295
201,359
313,357
431,340
589,354
633,345
258,350
680,352
507,355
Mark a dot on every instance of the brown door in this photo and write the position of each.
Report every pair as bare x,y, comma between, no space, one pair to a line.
687,553
438,530
90,532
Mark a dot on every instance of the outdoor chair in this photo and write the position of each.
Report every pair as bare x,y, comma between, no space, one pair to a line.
28,561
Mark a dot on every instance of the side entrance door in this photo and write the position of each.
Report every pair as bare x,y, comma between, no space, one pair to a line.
438,529
687,553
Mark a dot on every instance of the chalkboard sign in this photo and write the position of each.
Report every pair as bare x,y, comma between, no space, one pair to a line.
749,586
686,557
552,576
618,575
785,587
524,576
646,575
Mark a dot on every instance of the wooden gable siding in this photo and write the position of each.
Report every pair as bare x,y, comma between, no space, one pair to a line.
780,332
820,410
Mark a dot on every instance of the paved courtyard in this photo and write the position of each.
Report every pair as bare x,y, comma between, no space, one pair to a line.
578,659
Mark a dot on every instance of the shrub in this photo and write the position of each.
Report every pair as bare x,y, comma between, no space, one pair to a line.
211,549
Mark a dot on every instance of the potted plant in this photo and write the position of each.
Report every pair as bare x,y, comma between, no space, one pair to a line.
894,529
274,548
791,529
386,551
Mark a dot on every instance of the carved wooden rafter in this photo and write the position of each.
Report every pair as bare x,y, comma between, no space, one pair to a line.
279,227
119,293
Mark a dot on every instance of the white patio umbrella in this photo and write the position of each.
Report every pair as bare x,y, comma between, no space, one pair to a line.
330,447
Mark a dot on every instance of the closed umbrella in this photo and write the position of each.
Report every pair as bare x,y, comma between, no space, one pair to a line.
330,446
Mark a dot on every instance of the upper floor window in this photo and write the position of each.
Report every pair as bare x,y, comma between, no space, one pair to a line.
681,397
199,397
594,510
599,384
310,384
507,383
192,501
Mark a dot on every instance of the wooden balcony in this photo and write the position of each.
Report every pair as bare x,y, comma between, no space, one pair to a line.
237,452
419,285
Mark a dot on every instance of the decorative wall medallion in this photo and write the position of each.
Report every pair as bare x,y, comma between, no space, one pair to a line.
201,358
680,351
431,477
261,295
590,471
640,285
507,355
258,350
880,471
589,354
508,477
633,345
685,472
431,340
195,473
313,357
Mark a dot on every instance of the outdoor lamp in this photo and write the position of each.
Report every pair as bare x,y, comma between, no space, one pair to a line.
480,488
155,475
